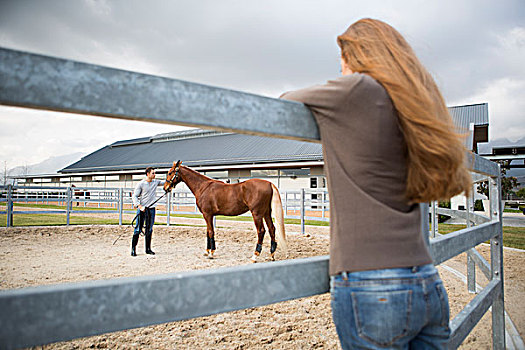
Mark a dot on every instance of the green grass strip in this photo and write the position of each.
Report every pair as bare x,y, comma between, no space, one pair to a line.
249,219
55,206
55,220
60,220
513,237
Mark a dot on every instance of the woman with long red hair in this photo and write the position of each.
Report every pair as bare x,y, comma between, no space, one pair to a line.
389,143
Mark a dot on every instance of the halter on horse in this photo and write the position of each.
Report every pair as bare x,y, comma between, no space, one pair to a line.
175,179
215,197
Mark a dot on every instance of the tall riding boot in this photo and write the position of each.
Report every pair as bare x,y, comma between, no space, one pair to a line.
134,242
148,245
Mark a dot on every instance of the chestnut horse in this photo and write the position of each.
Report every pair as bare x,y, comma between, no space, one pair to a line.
215,197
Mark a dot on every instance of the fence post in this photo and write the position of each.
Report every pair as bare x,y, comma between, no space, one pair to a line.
120,205
9,222
168,208
467,208
323,198
496,262
433,219
302,210
285,203
471,265
195,208
471,273
68,204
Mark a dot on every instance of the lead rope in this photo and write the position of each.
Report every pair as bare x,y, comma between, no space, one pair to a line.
147,214
136,216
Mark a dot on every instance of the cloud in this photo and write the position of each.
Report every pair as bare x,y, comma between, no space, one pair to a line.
101,8
506,107
31,136
509,53
501,82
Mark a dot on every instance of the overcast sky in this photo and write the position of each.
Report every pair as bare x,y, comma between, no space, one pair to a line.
475,49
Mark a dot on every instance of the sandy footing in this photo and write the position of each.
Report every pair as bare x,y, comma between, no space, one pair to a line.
50,255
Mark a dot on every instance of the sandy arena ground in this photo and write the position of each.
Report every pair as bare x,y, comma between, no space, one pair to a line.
50,255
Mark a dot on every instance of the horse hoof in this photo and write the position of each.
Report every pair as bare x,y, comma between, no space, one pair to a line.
273,257
253,259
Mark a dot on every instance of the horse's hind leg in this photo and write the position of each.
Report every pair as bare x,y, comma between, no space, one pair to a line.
259,226
271,230
210,236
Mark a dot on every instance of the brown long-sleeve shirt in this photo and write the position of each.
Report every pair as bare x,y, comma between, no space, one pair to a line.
372,225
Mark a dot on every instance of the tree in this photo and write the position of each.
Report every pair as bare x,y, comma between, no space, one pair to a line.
521,193
507,183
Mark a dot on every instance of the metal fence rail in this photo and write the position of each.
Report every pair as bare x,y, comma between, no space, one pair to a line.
33,316
50,83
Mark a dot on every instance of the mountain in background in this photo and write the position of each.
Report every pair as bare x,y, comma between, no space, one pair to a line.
48,166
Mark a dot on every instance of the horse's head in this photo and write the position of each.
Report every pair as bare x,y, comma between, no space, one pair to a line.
173,177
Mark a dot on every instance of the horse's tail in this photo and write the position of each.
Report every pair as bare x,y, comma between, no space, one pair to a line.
277,209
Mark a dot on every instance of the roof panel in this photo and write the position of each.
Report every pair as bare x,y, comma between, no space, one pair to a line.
227,148
463,116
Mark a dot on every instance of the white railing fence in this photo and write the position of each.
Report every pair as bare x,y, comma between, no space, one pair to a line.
297,204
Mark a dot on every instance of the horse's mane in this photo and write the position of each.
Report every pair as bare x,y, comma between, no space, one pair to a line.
202,175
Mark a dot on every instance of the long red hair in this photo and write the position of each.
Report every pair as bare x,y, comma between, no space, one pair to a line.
436,154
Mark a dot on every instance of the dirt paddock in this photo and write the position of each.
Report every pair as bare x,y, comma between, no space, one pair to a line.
51,255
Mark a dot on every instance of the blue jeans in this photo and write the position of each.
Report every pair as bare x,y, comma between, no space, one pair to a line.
147,218
400,308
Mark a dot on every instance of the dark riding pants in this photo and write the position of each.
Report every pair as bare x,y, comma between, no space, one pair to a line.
146,217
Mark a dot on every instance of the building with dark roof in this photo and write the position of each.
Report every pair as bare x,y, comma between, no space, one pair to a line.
198,148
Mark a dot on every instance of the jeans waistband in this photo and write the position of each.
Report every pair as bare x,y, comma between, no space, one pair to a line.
422,271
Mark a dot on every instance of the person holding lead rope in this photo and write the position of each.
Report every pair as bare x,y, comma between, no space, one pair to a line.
144,200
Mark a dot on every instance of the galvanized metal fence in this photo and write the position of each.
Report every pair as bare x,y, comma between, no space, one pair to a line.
40,315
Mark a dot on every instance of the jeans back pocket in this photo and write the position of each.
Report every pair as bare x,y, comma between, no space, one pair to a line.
382,317
443,304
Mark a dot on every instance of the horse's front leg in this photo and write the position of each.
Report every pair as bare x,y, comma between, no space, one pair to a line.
259,226
210,236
